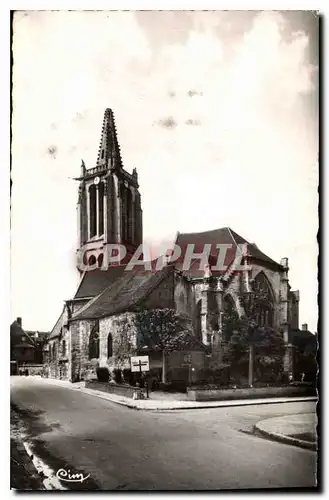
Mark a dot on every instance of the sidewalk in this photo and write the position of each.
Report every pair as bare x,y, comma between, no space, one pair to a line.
170,404
298,430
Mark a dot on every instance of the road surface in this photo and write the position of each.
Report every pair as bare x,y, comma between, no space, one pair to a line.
125,449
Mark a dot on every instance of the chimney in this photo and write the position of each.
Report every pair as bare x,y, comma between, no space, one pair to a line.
305,327
284,262
19,321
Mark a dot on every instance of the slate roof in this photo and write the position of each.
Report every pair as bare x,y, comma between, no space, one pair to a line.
124,294
215,237
94,282
304,339
16,335
56,331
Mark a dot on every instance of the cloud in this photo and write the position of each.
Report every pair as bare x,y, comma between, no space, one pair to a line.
190,121
52,151
192,93
167,122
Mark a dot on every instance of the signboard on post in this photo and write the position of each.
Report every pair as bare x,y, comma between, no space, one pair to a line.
140,363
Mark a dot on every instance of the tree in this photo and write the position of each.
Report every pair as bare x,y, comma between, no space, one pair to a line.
163,330
244,334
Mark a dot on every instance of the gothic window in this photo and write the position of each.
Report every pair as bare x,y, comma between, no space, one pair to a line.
129,215
64,348
181,301
92,211
94,342
101,208
109,346
54,352
92,260
262,318
198,320
263,300
102,154
230,317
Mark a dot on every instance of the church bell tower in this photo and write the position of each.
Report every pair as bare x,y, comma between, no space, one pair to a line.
109,203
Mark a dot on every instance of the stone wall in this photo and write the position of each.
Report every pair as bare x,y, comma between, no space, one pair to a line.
56,364
120,327
183,295
123,331
219,394
121,390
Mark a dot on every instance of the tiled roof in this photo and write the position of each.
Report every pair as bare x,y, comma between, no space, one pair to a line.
55,332
94,282
303,338
16,336
215,237
124,294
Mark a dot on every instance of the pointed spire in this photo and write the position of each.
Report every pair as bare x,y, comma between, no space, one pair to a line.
109,150
83,168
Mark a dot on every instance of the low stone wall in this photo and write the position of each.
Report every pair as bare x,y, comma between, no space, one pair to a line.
119,389
32,369
218,394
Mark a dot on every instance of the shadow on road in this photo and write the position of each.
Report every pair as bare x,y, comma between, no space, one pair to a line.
31,422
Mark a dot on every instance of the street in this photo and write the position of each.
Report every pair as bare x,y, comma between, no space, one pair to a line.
125,449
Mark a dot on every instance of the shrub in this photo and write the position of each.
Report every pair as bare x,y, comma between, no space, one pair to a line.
177,386
103,374
217,376
128,376
117,375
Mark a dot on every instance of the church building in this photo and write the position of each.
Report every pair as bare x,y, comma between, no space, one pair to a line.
97,326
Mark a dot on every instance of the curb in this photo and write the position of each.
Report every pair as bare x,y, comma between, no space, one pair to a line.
220,404
282,438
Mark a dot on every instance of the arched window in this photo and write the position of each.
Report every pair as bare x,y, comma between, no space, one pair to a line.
263,300
94,342
129,215
64,348
230,317
181,301
198,320
109,346
92,260
92,211
101,208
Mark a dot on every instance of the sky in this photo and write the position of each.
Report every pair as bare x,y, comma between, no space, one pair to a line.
217,110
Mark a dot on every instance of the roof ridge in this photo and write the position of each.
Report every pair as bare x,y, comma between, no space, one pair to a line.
23,332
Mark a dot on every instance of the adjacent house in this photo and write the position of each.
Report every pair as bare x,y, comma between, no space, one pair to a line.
25,347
